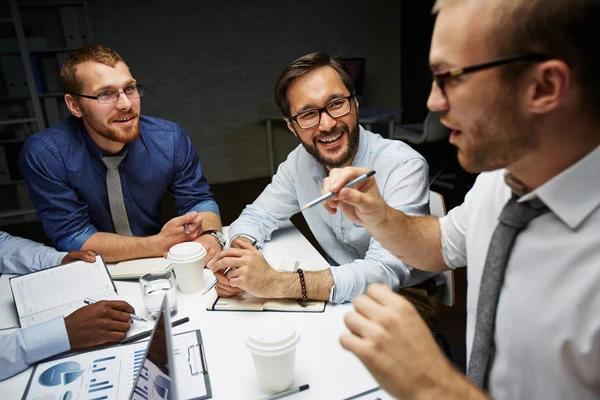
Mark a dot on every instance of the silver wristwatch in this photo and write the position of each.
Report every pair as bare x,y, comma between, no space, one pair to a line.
218,235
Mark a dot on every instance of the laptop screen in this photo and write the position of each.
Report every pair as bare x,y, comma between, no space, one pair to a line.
155,377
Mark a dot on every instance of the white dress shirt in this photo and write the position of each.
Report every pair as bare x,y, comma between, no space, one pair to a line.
26,346
548,319
402,178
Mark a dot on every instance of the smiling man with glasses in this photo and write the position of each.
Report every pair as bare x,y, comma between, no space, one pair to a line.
96,178
316,97
517,82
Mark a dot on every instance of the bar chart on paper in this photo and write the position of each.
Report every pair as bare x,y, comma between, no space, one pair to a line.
100,375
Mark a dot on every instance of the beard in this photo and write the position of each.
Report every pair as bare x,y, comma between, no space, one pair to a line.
347,154
498,138
116,134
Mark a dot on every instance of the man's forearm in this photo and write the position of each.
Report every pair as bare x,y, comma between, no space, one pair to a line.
414,240
210,220
318,285
452,386
114,248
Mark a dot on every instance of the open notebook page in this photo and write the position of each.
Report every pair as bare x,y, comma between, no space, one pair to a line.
46,294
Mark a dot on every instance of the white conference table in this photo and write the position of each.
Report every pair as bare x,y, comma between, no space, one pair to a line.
321,362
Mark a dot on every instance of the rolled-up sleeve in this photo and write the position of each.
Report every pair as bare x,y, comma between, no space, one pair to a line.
18,255
276,204
453,235
404,187
63,214
29,345
189,187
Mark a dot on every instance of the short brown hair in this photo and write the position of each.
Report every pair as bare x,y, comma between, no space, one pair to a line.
89,52
562,29
302,66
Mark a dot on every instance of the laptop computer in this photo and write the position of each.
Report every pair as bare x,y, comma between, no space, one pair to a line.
166,367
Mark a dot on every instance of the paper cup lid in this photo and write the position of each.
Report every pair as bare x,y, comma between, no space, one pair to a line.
186,252
273,337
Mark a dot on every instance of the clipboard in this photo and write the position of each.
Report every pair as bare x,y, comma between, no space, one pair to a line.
110,371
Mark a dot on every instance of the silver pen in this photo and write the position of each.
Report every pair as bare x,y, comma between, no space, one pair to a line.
287,392
330,194
212,285
134,317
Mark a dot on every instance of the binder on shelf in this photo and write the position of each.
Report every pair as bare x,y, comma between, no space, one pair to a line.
60,58
51,74
4,172
14,75
35,69
52,111
74,34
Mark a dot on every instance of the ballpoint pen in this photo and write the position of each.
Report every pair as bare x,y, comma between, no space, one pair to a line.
212,285
330,194
133,316
186,228
147,333
300,388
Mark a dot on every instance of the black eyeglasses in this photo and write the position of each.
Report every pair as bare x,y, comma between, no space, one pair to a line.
335,109
440,78
112,96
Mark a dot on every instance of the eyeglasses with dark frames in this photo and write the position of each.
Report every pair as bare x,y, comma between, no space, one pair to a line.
440,78
112,96
335,109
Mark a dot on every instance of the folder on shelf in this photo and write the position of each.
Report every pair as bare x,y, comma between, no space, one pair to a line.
50,74
51,109
14,75
74,34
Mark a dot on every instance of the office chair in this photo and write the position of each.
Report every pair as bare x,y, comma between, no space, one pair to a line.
437,208
430,131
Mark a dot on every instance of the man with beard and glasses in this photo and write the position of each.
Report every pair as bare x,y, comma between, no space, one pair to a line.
316,97
97,177
517,82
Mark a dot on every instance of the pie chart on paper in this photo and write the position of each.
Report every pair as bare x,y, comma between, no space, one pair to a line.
61,374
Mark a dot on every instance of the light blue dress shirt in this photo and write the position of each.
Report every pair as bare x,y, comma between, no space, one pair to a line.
26,346
402,178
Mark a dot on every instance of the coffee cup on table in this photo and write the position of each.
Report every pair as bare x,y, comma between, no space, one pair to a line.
188,263
273,347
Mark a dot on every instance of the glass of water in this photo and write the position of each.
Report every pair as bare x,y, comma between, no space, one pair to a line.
155,286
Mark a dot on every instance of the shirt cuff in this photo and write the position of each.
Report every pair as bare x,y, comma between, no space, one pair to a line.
76,240
343,281
46,339
208,205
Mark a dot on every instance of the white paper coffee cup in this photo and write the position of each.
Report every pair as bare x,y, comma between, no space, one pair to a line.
273,346
188,263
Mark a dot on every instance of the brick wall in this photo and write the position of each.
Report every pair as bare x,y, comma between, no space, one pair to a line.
211,65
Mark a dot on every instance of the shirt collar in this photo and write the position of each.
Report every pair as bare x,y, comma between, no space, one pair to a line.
318,171
93,147
573,194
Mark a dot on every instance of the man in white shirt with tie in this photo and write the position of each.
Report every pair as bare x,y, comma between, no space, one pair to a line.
99,323
518,83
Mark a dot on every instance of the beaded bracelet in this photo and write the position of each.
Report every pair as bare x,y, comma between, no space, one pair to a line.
302,302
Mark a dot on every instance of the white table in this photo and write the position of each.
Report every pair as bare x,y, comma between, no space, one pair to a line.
332,372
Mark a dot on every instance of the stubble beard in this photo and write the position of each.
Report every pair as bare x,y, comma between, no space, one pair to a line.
116,134
498,138
342,159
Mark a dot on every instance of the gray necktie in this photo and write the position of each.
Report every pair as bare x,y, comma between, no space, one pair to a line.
512,220
115,195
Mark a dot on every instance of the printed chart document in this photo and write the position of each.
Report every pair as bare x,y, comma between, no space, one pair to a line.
110,373
247,302
58,291
134,269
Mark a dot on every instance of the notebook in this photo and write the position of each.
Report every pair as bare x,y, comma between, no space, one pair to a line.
58,291
134,269
165,367
247,302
